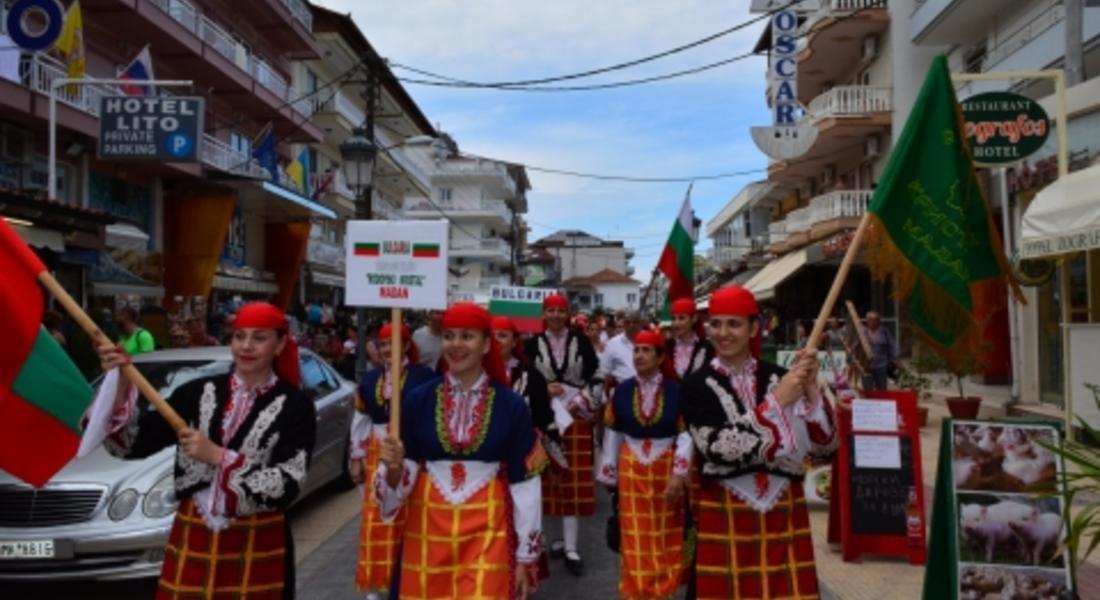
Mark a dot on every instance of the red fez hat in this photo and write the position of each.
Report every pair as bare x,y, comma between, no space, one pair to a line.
386,333
555,301
467,315
502,323
649,338
261,315
736,301
683,306
733,301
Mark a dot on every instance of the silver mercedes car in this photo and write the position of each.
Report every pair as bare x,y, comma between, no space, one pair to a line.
105,518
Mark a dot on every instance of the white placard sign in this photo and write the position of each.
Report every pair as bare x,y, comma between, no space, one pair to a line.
397,264
829,363
874,415
878,451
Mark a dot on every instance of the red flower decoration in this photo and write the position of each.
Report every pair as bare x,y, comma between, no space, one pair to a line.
458,476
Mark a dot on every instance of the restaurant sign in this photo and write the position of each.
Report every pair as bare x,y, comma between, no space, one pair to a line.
1003,127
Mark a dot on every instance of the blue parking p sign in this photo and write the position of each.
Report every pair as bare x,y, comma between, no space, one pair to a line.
160,128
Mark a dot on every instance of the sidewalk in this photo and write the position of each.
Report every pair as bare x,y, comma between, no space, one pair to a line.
888,577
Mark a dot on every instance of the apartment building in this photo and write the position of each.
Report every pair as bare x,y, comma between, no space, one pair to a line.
483,200
223,227
595,273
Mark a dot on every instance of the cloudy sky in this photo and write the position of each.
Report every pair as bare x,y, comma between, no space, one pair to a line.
695,125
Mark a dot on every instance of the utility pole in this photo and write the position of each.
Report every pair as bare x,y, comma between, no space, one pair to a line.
1074,20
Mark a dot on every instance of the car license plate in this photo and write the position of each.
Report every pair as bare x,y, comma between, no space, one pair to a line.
28,549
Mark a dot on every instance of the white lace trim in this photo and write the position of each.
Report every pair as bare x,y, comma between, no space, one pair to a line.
744,487
729,406
193,471
478,474
657,448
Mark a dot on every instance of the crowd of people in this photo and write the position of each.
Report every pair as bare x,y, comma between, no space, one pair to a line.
503,438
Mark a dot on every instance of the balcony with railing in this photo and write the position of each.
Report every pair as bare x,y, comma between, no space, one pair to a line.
483,248
945,22
222,41
482,209
221,156
848,101
491,172
839,40
777,237
826,214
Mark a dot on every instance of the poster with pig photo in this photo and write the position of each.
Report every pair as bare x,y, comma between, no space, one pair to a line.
993,457
1010,529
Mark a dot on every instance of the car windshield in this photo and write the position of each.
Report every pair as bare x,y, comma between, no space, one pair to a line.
169,375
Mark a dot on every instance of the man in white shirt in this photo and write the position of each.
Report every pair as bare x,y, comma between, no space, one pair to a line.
429,339
617,360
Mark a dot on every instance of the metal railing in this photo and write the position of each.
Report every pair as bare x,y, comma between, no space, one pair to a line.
341,105
839,204
1023,36
777,232
300,12
218,38
850,101
835,6
40,70
222,156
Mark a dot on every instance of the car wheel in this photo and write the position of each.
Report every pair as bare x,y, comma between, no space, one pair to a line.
344,482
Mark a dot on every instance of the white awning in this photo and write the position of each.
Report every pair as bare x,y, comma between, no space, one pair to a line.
1064,217
125,236
104,288
329,279
41,238
763,284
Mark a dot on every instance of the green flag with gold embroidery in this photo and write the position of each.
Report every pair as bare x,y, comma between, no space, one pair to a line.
931,227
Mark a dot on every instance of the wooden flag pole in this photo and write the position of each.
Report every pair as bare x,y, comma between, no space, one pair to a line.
838,282
396,352
100,339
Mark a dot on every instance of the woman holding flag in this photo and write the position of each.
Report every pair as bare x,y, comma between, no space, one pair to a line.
647,454
466,469
753,424
239,464
378,539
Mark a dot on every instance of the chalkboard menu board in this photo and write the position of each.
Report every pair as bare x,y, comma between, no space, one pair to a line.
876,465
879,497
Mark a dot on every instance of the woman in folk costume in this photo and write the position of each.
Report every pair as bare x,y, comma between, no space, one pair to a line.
687,347
646,453
529,384
753,425
378,539
567,361
466,469
238,467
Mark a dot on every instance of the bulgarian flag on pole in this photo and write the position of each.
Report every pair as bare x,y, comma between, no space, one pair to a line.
678,258
931,227
43,395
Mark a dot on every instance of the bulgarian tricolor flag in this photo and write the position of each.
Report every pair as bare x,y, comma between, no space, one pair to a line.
678,258
43,395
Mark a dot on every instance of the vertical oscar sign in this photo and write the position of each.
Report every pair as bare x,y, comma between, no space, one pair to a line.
789,135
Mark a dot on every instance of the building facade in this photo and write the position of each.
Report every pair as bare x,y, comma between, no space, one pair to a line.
1002,36
483,200
784,237
223,228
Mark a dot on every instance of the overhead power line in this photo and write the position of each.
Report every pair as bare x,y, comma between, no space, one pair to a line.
458,83
616,67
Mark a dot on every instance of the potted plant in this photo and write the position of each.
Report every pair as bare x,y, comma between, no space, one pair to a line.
1081,476
964,406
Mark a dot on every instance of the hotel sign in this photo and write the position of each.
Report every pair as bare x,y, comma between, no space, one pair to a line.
789,136
1003,127
167,129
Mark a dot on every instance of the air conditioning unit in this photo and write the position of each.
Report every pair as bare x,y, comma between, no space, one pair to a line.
872,147
870,47
828,176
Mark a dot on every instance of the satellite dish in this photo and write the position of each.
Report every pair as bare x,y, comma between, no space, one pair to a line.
782,143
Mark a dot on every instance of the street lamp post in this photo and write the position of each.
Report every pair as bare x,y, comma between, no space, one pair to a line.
358,154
